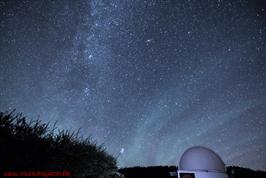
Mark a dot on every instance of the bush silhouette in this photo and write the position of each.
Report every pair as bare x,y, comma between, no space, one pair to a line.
33,146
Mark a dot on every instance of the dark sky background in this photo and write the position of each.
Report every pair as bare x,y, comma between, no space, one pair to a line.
146,78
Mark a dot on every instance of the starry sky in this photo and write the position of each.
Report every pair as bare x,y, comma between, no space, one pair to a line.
148,79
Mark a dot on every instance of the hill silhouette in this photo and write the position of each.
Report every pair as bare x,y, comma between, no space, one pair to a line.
33,146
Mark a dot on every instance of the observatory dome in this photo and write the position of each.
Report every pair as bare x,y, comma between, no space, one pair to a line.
201,159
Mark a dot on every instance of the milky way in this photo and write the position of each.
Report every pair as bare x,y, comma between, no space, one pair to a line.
146,78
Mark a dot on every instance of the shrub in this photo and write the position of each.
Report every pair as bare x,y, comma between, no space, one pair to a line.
33,146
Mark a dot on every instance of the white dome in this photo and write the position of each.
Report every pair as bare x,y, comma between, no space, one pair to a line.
201,159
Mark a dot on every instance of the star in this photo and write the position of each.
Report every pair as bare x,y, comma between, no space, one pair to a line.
149,79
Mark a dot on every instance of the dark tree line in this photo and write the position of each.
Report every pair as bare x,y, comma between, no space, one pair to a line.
239,172
163,172
33,146
148,172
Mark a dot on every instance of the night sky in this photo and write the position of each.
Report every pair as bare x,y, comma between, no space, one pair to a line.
148,79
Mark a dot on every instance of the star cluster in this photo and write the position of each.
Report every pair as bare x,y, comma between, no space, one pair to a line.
146,78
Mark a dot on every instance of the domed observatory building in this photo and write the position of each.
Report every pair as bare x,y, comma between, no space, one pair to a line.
200,162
